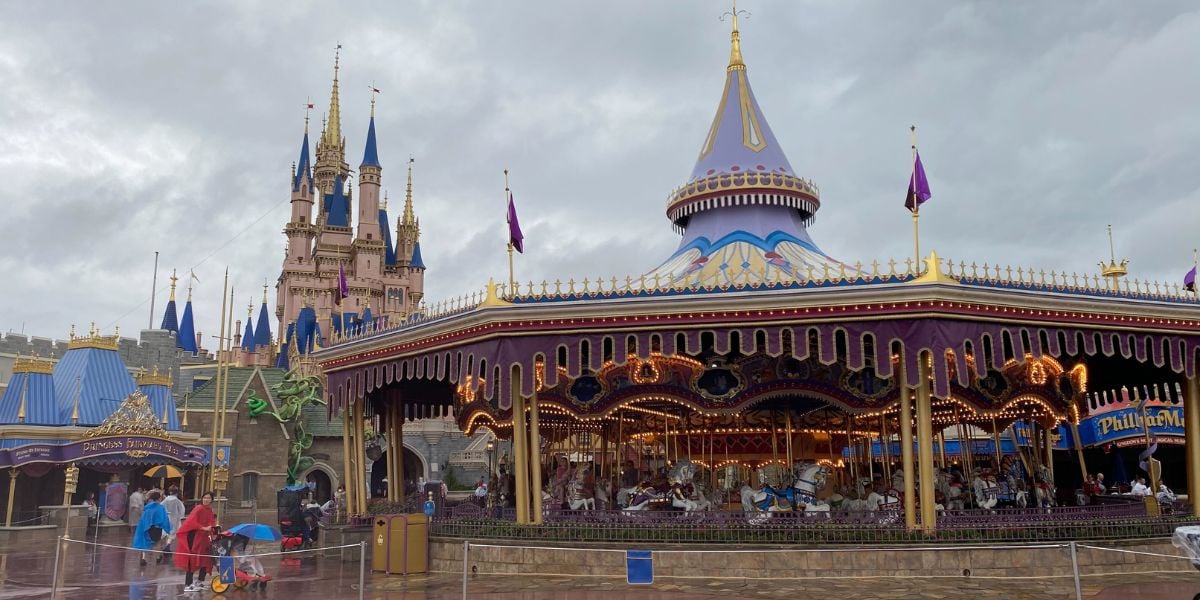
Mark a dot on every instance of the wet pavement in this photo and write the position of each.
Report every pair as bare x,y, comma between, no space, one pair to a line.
108,573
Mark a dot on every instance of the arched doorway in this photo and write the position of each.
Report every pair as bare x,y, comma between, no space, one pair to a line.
414,469
322,485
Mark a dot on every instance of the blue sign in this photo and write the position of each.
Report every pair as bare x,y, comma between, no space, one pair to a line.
639,567
1164,421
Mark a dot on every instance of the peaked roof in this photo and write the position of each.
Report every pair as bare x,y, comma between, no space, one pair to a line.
281,360
337,205
332,135
303,166
186,340
739,138
37,391
370,154
170,320
417,262
98,378
248,337
386,235
161,400
262,329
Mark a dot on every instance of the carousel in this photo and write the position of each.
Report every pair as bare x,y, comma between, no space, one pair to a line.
752,373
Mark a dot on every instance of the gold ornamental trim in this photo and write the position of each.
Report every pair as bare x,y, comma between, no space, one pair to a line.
135,416
33,364
154,378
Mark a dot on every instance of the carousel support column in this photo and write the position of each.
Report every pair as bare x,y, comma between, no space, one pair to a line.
1083,472
996,443
906,451
347,469
13,473
941,436
536,454
925,444
520,455
361,450
1191,420
885,449
1048,433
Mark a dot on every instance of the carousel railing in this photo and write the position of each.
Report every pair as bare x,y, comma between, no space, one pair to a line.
876,272
1047,524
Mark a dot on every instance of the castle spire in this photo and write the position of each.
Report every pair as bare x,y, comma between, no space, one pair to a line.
735,43
332,135
408,217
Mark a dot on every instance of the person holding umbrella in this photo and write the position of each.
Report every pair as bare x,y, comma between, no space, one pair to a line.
151,526
192,554
175,513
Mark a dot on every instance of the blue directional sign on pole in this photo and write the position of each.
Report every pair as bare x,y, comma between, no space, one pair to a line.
639,567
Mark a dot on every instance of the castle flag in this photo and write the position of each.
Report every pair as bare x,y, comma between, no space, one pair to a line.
515,238
918,186
1189,280
343,289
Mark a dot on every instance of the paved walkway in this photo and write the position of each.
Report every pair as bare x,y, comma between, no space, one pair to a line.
109,573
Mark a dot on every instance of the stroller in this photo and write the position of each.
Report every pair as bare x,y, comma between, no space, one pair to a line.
235,567
300,526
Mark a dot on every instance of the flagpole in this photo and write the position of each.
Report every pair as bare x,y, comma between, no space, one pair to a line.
916,204
512,278
1195,263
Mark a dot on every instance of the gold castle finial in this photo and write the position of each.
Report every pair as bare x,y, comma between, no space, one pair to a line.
408,218
735,40
174,279
333,127
374,92
249,312
383,205
308,106
264,291
1113,271
191,277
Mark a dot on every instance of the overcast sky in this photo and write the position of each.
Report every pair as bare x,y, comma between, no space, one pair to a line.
127,128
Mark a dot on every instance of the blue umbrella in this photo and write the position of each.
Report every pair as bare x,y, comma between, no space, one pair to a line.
256,531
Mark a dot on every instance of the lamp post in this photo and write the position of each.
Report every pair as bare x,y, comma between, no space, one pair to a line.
492,489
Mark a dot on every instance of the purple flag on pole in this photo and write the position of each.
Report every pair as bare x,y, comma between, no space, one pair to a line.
918,187
515,237
1189,280
343,289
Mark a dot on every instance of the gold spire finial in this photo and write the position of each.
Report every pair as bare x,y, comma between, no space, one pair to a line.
264,291
24,399
1113,271
333,129
192,277
308,106
408,218
78,392
374,92
174,279
249,312
383,205
735,40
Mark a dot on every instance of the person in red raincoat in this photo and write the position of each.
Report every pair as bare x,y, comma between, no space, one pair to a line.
194,538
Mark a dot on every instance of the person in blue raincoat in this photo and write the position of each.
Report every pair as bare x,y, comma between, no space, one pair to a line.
152,526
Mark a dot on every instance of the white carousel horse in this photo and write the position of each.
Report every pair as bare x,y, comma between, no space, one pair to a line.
898,480
577,496
684,493
955,499
807,479
603,498
987,491
640,497
1044,488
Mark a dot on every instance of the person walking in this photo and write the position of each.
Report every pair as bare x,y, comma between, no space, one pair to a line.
175,513
193,554
151,526
137,502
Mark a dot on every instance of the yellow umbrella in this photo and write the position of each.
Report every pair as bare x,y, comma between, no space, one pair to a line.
164,472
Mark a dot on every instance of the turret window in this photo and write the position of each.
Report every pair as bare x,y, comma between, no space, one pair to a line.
303,218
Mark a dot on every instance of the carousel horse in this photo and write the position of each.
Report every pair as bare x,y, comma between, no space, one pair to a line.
641,497
1021,496
987,490
765,498
684,493
1044,489
807,479
955,499
580,497
603,498
898,480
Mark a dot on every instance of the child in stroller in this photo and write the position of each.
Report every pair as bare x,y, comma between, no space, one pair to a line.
248,570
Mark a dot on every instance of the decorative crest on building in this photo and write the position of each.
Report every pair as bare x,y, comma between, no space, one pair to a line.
154,378
94,339
135,416
33,364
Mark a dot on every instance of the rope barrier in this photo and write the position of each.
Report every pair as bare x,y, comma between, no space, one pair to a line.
1142,552
37,518
786,550
213,556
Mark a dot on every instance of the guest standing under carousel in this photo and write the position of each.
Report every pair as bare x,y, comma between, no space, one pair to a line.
192,552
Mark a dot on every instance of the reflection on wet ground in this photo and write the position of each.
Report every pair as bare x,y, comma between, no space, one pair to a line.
109,573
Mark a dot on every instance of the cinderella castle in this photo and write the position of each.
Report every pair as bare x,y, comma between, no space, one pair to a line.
342,273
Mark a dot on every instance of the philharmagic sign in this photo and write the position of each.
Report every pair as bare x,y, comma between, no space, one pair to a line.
1164,422
132,447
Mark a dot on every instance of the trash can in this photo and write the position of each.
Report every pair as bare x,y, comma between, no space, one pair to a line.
380,542
407,544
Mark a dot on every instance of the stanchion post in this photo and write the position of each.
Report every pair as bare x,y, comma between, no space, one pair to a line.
362,570
54,582
466,565
1075,572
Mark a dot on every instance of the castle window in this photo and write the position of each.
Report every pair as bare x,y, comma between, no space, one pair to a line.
303,218
368,236
249,489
